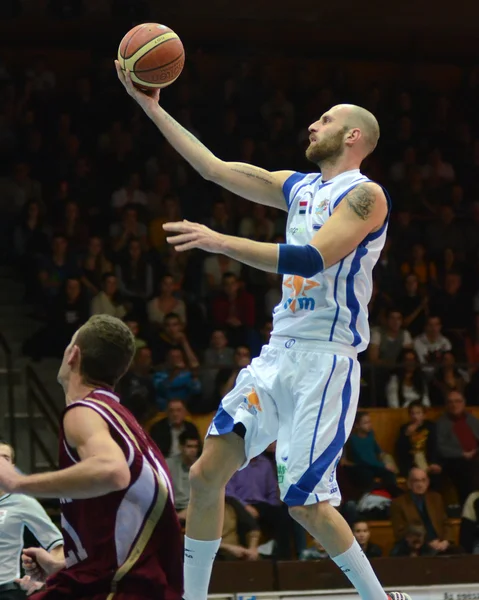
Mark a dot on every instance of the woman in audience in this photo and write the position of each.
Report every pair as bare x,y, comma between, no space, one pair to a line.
407,384
94,266
135,277
447,378
166,302
106,302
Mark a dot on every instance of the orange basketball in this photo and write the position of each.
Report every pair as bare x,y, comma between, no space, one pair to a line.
153,54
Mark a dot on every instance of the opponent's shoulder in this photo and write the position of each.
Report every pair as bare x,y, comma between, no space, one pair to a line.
367,199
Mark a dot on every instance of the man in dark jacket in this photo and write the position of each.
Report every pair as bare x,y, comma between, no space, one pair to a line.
166,433
458,444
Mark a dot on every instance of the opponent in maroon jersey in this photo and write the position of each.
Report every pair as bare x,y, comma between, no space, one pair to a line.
122,536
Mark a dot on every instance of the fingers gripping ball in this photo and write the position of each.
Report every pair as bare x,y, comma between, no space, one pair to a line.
153,54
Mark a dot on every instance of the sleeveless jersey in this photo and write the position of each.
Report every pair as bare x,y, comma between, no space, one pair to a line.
127,542
332,305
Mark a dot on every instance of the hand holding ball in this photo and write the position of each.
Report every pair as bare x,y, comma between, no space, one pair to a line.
153,54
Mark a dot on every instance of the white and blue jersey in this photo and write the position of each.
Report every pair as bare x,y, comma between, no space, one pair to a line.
332,305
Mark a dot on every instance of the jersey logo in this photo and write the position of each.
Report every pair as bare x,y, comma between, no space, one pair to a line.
322,206
252,403
303,204
298,300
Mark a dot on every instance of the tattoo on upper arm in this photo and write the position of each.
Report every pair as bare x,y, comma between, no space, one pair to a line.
252,173
362,199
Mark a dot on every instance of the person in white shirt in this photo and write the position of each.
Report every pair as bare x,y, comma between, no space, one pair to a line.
129,194
408,384
104,303
431,345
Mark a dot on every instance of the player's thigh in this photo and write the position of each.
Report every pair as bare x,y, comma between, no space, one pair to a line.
249,411
323,418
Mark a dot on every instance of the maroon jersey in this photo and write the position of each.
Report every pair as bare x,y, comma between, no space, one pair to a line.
127,543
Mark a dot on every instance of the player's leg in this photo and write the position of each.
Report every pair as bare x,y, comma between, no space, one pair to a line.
321,425
246,423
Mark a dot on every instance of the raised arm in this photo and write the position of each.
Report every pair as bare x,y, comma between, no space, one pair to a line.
252,183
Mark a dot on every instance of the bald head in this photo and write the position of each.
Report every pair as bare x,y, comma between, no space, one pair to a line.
356,117
418,481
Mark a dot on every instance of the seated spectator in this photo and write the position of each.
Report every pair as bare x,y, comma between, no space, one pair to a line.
179,467
107,302
378,306
171,336
414,306
175,380
416,445
407,384
458,443
469,530
220,220
130,193
472,345
72,227
256,487
240,535
165,303
166,432
413,543
56,268
94,266
136,387
215,268
365,460
30,237
264,337
420,505
431,345
226,378
233,309
419,265
452,305
449,263
133,325
257,227
219,354
135,277
130,228
447,378
171,212
445,232
362,534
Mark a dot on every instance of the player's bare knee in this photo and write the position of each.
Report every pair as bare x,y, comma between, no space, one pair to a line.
310,513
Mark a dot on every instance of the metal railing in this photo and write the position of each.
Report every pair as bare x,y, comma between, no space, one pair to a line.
10,389
38,398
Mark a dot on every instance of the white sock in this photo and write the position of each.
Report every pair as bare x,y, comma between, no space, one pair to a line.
199,558
357,568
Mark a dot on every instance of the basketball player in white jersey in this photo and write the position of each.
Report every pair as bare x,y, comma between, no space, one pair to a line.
303,389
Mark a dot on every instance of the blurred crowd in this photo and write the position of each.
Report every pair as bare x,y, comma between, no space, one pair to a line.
87,182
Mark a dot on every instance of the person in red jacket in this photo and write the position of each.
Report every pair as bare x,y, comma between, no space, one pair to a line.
233,310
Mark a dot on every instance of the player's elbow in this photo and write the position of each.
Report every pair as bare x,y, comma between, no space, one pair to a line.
213,170
118,476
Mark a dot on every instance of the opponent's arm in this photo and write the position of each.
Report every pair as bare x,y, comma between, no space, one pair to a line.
103,468
252,183
360,213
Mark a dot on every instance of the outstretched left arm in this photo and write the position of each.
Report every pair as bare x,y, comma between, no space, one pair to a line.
360,213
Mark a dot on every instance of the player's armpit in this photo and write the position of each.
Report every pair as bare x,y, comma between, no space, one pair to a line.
361,212
250,182
87,432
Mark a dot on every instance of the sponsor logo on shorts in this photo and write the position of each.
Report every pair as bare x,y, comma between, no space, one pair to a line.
333,490
290,343
252,403
281,473
298,299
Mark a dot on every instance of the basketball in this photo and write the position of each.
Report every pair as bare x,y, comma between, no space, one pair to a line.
153,54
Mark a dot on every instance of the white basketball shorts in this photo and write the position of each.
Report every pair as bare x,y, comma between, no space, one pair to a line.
303,394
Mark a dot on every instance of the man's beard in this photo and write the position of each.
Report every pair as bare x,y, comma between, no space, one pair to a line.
326,150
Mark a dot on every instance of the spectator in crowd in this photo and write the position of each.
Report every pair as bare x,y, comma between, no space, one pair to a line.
166,432
179,466
416,445
130,193
273,294
173,336
216,357
240,535
419,265
176,380
445,232
472,345
130,228
226,377
458,442
452,305
447,378
165,303
414,306
256,487
30,237
94,266
407,384
136,387
469,529
257,227
431,345
216,268
413,543
18,511
171,212
220,219
233,309
73,227
135,277
364,458
107,302
56,268
363,534
422,506
378,306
